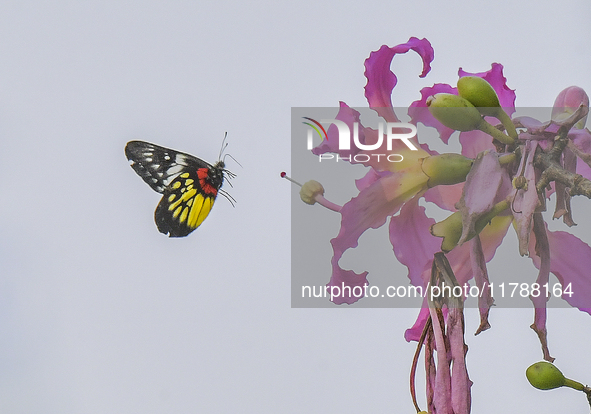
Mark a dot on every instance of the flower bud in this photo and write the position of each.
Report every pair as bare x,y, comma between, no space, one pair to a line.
544,376
454,112
445,169
567,102
310,190
480,94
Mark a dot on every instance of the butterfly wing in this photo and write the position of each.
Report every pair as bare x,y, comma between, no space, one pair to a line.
185,205
189,185
159,166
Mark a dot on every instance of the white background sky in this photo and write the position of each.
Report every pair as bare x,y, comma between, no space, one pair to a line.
100,313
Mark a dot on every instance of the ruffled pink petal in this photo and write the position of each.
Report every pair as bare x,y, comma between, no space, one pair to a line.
413,244
331,143
346,286
419,112
570,261
376,158
499,83
381,80
370,209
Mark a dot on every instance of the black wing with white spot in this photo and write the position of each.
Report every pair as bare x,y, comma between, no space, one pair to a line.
159,166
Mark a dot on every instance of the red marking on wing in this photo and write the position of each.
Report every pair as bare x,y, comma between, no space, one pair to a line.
203,174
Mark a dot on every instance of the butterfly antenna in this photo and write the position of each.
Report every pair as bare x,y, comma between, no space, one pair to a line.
228,155
224,145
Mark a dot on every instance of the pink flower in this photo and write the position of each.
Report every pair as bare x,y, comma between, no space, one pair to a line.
492,184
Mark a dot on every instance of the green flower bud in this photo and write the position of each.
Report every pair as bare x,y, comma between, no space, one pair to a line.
544,376
454,112
446,169
482,95
458,113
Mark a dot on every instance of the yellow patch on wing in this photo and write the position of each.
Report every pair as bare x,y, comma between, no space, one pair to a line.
184,214
177,212
200,210
184,198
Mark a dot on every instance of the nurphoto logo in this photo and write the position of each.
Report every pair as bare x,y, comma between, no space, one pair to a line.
344,144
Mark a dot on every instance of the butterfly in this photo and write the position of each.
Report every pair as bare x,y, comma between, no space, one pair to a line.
189,185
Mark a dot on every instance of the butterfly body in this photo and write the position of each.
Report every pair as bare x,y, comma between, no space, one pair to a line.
188,184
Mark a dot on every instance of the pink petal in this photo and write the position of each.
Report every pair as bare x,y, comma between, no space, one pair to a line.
413,244
367,136
474,142
570,261
485,301
414,333
331,143
581,138
563,208
542,250
346,286
446,196
368,179
442,388
460,382
381,80
532,124
525,201
480,191
370,209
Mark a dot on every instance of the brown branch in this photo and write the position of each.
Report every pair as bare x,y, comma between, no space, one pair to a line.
549,162
553,171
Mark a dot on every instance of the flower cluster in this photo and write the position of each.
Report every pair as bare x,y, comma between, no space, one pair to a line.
507,169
